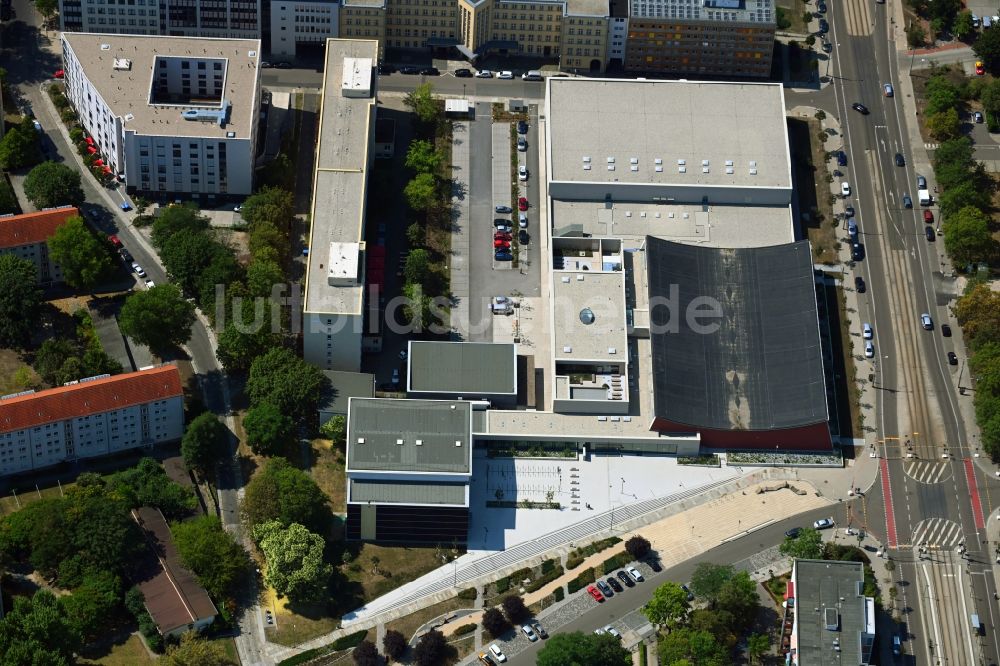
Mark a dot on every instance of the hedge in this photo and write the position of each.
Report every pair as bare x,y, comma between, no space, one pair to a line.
468,594
465,629
302,657
559,594
350,640
584,579
615,562
544,579
503,584
573,561
548,565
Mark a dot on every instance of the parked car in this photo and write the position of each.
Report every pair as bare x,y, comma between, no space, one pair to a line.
115,242
501,235
138,270
605,589
849,210
595,593
860,108
866,331
463,73
58,74
495,651
125,255
522,127
980,70
946,330
928,216
500,208
869,350
500,223
522,203
522,172
529,632
823,523
926,321
821,7
522,220
615,585
395,376
859,284
887,89
852,227
654,564
845,189
500,244
824,27
283,65
841,158
485,658
409,69
506,75
503,255
632,571
929,234
793,533
540,630
385,68
614,632
952,359
149,284
522,237
977,117
484,74
921,183
522,144
430,71
857,251
626,579
900,160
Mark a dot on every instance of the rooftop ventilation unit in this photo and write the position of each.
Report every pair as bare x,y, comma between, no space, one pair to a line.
458,442
105,47
219,116
122,64
361,440
399,441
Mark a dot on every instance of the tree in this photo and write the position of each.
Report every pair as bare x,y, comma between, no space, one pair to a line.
514,608
978,312
159,317
286,494
273,205
945,125
915,35
262,275
415,234
944,11
687,646
268,430
422,157
83,259
708,579
990,97
807,546
941,95
967,237
186,254
50,357
366,654
295,566
147,484
580,649
205,443
759,644
987,48
252,330
422,102
197,651
19,147
638,547
20,300
47,8
286,381
430,649
956,151
37,631
418,267
394,644
963,27
173,220
669,605
719,623
494,622
279,172
92,603
50,184
266,236
738,596
335,429
215,557
421,192
965,194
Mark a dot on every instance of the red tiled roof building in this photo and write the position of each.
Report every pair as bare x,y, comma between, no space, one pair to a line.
26,236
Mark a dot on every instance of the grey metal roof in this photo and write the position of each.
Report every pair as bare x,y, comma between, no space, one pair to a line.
346,385
821,584
409,436
762,369
474,368
407,492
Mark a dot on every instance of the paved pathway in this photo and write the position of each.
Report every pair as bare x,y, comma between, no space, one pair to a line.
459,260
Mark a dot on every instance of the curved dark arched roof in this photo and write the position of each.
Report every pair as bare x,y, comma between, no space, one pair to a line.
762,368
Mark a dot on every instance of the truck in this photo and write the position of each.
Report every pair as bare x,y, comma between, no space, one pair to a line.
924,197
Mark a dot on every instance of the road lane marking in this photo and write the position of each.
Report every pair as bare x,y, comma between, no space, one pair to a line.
977,505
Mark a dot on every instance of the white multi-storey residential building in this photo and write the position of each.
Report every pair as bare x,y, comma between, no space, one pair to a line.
91,417
26,236
190,18
302,22
170,115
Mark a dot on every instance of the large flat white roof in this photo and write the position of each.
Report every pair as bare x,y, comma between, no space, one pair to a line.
734,126
341,179
589,316
126,91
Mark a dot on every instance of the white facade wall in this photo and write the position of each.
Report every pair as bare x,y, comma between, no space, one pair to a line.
294,23
139,17
101,434
95,115
617,39
332,341
196,165
38,254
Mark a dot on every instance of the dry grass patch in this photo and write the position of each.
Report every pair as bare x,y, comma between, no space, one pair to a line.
292,628
328,473
408,625
129,653
13,501
15,374
380,569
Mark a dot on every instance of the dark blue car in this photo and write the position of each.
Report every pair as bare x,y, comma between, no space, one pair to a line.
841,158
503,255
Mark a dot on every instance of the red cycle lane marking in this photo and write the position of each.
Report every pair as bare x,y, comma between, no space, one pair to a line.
977,505
890,517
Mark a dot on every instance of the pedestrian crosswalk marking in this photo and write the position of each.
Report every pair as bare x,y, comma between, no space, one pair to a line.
937,533
927,472
931,146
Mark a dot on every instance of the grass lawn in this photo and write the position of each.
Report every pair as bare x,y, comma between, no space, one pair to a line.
463,647
328,473
15,374
409,624
293,628
794,9
396,566
809,162
129,653
8,504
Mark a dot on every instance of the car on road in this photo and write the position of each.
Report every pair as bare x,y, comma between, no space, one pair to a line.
522,127
977,117
522,173
907,201
503,255
887,89
138,270
860,108
852,227
841,158
500,208
495,651
522,144
823,523
845,189
409,69
869,350
857,251
149,284
793,533
529,632
430,71
952,359
900,160
896,648
522,203
540,630
605,589
866,331
926,321
980,70
506,75
484,74
614,632
929,234
125,255
632,571
928,216
522,237
463,73
625,578
615,585
849,210
859,284
595,593
946,330
688,592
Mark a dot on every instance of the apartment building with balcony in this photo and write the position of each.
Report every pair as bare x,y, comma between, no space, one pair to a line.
191,18
26,236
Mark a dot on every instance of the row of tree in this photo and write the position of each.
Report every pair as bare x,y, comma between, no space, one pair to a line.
978,312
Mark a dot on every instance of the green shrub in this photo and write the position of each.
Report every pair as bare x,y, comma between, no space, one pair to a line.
544,579
350,640
301,657
559,594
615,562
547,566
466,629
468,594
573,561
583,580
503,584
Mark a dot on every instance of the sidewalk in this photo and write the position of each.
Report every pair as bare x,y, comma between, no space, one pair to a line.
461,232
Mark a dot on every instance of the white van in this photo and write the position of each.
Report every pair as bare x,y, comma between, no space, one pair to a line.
532,75
987,22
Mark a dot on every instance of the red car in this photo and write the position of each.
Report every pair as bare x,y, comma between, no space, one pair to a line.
114,241
502,235
501,244
980,70
594,592
58,74
928,217
522,203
